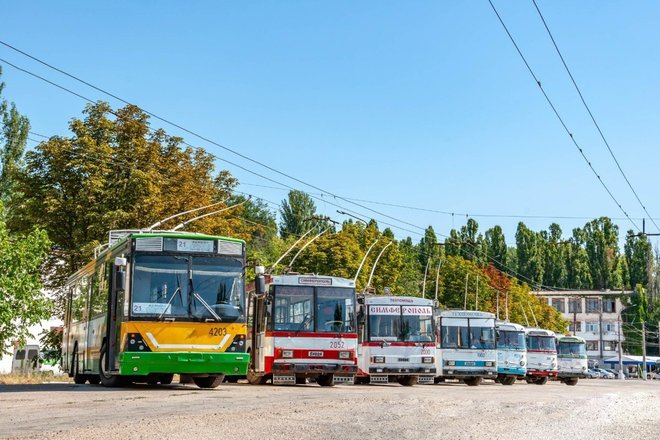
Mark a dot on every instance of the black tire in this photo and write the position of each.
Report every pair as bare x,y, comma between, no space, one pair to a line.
326,380
166,379
572,381
541,381
108,380
407,381
78,379
508,380
209,381
472,381
256,379
301,380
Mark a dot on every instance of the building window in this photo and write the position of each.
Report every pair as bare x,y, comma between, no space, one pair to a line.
592,305
592,327
609,326
575,327
609,346
575,305
558,303
592,345
609,305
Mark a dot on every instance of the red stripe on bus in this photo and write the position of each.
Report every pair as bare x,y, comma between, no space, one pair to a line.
398,344
311,335
305,353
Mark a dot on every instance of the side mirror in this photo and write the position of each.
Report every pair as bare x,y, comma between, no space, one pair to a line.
120,279
260,284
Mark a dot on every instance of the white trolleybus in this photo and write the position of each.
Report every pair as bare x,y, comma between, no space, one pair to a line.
572,358
541,355
466,346
303,326
511,353
396,340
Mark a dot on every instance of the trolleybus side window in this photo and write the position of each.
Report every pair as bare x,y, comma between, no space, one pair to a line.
80,299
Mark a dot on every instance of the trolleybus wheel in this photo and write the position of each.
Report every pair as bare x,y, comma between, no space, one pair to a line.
407,381
107,380
541,381
472,381
78,379
571,381
209,381
508,380
166,379
256,379
325,380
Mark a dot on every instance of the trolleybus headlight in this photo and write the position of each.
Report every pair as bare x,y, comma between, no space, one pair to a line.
427,359
287,353
344,355
450,363
378,359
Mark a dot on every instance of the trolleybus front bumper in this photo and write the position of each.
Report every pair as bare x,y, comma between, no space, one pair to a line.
144,363
295,368
541,373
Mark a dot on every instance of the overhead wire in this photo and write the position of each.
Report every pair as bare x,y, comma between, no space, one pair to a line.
593,119
510,270
559,117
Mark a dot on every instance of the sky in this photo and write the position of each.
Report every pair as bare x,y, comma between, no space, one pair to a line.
425,104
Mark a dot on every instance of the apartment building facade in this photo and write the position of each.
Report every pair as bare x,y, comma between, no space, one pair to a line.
594,316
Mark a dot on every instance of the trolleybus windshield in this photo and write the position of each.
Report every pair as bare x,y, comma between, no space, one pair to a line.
571,349
318,309
468,333
541,343
188,288
403,324
511,339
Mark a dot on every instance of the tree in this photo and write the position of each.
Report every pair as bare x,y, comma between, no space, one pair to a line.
555,272
296,213
601,244
530,252
13,138
638,253
114,173
496,247
22,302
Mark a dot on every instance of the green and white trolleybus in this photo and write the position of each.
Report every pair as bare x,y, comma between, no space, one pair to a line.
155,304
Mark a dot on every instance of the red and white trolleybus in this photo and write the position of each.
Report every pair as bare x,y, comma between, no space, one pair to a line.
302,326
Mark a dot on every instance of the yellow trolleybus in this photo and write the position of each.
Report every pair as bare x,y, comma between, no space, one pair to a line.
155,304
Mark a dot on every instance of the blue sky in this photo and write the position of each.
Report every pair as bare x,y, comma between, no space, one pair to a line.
419,103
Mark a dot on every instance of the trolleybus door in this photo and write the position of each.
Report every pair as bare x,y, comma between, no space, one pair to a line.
115,303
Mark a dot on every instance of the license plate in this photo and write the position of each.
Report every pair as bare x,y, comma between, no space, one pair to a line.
318,354
469,364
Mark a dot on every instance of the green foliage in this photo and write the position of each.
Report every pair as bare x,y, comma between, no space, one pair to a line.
296,214
13,138
115,173
22,302
50,342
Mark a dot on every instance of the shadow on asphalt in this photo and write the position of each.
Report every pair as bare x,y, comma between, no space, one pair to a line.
65,386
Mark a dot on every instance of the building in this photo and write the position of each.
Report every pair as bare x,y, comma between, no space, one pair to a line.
593,315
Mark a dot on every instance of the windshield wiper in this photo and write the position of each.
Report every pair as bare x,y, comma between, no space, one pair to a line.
206,305
167,306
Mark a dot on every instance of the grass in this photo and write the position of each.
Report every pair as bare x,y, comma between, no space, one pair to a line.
32,378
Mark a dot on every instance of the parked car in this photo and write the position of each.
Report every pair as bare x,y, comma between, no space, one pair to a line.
592,374
604,374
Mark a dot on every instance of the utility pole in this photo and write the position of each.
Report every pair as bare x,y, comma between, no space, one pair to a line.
574,315
621,375
476,298
465,297
506,298
497,304
643,350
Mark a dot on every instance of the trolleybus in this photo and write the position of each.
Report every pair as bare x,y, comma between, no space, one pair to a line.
396,340
155,304
466,346
572,358
541,355
303,327
511,353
